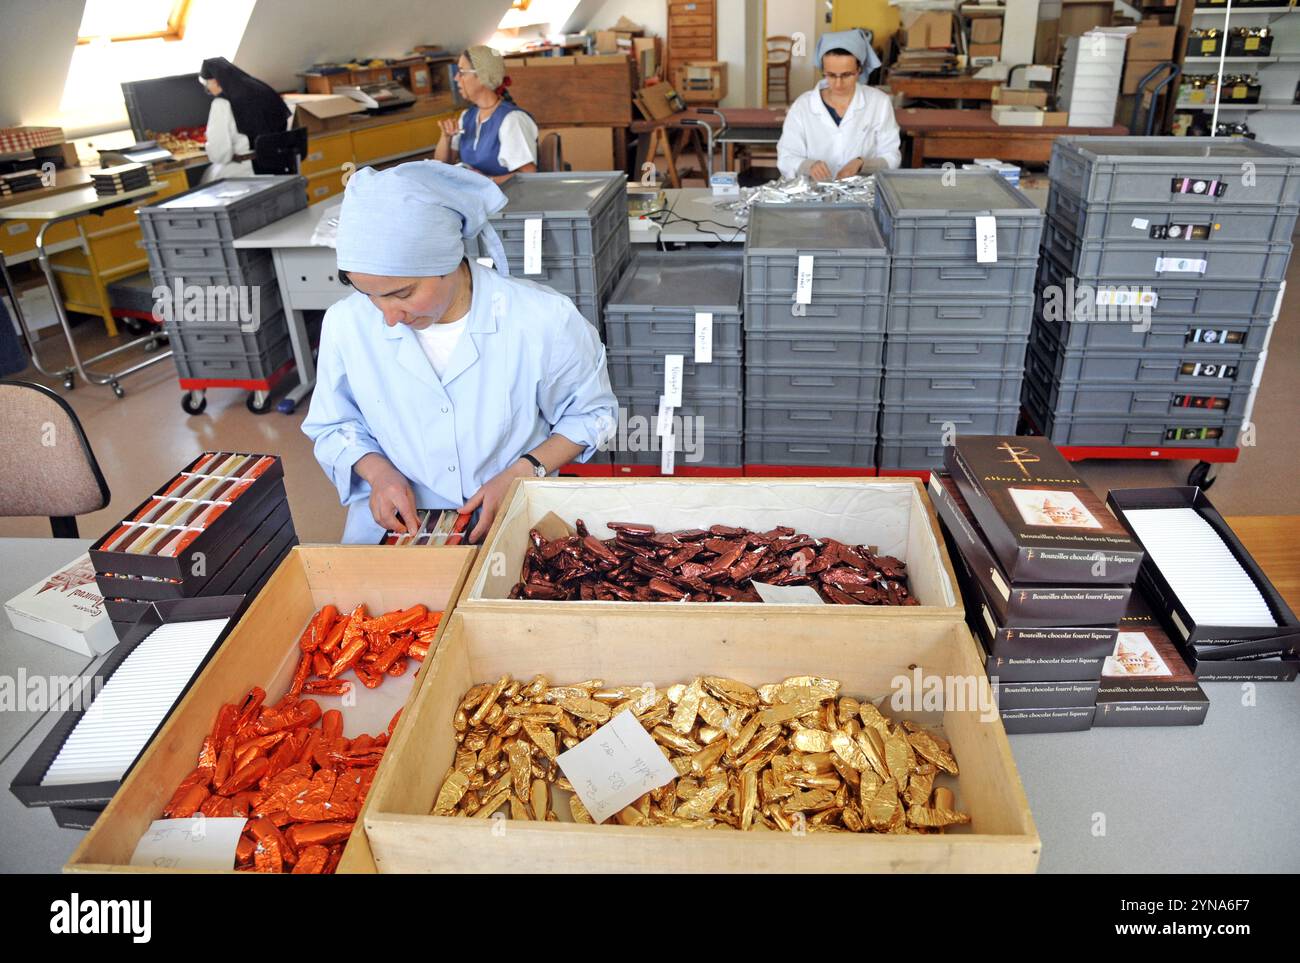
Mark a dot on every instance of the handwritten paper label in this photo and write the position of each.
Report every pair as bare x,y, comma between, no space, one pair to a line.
665,422
703,337
198,842
803,280
667,454
788,594
673,366
533,245
986,239
1180,265
615,766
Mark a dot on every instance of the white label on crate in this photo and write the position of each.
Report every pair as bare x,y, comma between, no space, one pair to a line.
18,227
1141,223
667,454
533,245
673,364
196,842
485,261
803,280
986,239
664,424
1127,296
615,766
703,337
1180,265
788,594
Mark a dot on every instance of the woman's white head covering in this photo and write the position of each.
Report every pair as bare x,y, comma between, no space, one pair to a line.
412,220
855,42
489,65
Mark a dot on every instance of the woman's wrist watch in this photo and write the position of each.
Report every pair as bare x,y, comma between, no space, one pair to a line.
539,470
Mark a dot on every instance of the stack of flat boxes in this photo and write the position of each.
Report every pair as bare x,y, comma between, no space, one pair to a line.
581,243
661,307
237,330
816,280
1162,262
219,527
1047,575
1091,69
957,327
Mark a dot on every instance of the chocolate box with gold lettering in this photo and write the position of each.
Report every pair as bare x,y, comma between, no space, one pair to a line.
1043,523
1145,681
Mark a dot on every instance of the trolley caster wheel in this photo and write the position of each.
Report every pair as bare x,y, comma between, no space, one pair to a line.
194,402
259,407
151,345
1200,476
287,406
69,383
118,389
134,326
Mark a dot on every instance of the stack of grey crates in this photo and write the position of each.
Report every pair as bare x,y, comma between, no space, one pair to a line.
957,327
653,313
584,240
229,322
812,370
1161,266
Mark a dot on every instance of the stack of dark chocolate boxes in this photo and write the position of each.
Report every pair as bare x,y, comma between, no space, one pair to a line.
1048,576
219,527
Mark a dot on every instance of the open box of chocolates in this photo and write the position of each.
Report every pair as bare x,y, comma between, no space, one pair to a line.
217,527
433,527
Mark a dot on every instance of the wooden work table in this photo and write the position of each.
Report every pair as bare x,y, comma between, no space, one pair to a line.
967,134
962,86
1273,541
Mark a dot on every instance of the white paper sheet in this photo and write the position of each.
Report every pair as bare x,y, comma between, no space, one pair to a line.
615,766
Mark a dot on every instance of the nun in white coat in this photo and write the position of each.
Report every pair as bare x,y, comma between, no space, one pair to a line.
842,127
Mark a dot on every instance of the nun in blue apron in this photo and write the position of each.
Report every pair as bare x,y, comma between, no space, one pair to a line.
440,381
494,136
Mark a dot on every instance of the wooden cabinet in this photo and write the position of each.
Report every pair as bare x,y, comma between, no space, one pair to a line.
326,152
692,33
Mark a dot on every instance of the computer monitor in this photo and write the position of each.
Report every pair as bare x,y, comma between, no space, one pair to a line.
162,104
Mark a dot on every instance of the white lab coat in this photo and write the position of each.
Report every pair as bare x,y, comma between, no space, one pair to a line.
225,141
527,366
867,130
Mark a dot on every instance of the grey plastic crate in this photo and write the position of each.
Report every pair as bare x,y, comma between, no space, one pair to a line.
654,303
1146,367
570,205
1099,221
803,385
1185,336
256,270
1153,169
960,317
668,332
910,454
224,306
223,210
723,412
912,352
1123,260
930,424
851,316
206,343
849,254
931,213
254,367
210,259
1142,431
644,371
951,388
567,237
811,419
813,351
763,448
715,450
951,277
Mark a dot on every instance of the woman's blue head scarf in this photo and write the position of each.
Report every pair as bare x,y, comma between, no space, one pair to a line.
855,42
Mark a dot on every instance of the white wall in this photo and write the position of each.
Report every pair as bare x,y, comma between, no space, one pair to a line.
651,14
36,43
785,18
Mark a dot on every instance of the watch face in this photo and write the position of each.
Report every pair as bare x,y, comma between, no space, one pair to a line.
539,471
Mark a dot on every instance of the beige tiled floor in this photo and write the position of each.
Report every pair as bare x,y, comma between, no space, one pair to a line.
142,439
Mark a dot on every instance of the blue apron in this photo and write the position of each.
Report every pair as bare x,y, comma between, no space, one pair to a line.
485,154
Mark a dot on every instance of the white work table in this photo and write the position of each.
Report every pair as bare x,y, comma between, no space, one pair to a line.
690,216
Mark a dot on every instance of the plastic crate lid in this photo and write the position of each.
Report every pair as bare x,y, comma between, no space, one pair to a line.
231,192
559,194
785,228
701,281
1182,148
944,192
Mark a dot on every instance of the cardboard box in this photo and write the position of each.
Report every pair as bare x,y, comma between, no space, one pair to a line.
1019,115
985,30
927,29
1022,721
984,51
65,609
1151,43
1044,524
1077,18
1134,71
648,55
891,514
322,112
586,148
262,650
1056,118
1028,98
1045,695
659,101
865,658
1146,682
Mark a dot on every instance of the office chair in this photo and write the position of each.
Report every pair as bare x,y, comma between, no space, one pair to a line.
550,153
280,153
46,464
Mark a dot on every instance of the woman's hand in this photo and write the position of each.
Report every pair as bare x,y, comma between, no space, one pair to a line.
489,497
392,503
849,169
820,172
450,126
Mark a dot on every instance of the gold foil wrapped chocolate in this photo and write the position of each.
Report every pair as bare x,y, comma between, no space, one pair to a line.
793,755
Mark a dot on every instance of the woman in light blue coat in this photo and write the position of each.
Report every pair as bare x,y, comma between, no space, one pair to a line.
440,381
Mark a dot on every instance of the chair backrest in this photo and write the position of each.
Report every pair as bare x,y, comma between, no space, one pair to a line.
280,153
46,464
779,49
550,153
